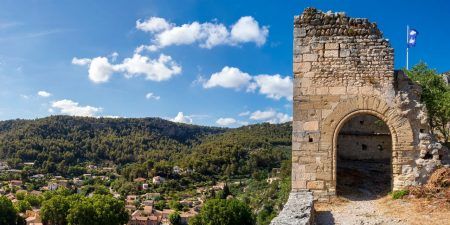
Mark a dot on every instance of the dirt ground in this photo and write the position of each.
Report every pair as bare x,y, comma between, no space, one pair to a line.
364,200
382,211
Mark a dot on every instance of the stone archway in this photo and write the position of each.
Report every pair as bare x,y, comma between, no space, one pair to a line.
399,127
363,156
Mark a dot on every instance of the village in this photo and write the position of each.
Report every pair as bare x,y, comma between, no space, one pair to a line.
148,208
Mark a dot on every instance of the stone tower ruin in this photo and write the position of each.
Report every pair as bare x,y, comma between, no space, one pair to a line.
344,72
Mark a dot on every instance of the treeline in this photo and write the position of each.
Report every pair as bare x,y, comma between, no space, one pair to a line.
143,147
57,143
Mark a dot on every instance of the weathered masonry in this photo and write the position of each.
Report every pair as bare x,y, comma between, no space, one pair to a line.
344,69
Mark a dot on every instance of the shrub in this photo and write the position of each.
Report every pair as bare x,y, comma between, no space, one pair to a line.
399,194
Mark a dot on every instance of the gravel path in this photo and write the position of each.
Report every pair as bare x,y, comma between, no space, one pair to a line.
362,186
362,212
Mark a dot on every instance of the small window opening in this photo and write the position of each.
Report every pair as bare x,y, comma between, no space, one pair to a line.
380,148
364,147
422,130
311,139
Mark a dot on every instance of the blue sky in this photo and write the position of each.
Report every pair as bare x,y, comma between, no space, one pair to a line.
222,63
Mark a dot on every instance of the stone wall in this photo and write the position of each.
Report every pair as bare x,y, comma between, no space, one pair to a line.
364,137
299,210
343,67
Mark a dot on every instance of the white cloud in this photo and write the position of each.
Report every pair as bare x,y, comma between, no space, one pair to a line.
81,62
226,121
181,118
247,29
151,95
270,116
160,69
114,56
44,94
72,108
100,70
275,86
182,35
263,115
246,113
272,86
153,24
229,77
206,35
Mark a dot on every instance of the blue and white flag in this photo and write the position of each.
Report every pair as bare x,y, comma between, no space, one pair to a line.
412,34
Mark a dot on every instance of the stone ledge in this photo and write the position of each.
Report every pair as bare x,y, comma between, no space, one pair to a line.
298,210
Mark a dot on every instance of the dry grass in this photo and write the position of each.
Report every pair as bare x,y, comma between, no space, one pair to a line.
437,189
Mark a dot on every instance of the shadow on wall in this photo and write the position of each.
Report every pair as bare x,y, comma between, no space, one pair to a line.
324,218
364,152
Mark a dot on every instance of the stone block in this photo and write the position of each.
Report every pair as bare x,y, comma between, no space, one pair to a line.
310,57
311,126
315,185
331,46
331,53
338,90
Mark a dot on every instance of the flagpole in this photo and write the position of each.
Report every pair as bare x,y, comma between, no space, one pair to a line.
407,47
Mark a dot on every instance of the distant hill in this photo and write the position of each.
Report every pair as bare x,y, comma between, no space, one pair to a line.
58,143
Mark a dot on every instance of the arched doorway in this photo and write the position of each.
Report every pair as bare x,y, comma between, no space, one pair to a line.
363,157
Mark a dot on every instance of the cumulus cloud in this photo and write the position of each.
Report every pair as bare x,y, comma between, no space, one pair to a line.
229,77
44,94
247,29
72,108
153,24
270,116
160,69
206,35
100,70
226,121
272,86
181,118
151,95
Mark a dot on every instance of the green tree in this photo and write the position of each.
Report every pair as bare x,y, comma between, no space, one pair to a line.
8,214
54,211
224,212
175,218
22,206
82,213
109,210
435,95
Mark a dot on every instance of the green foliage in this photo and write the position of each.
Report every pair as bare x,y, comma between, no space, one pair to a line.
20,195
75,209
399,194
175,218
8,214
34,200
175,205
55,210
59,144
435,95
22,206
224,212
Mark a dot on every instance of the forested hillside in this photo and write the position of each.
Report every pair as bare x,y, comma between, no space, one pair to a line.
58,142
64,145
